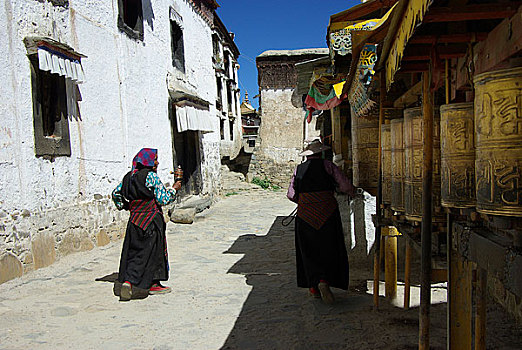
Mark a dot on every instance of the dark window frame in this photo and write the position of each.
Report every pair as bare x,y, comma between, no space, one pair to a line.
126,18
222,128
50,120
231,128
177,45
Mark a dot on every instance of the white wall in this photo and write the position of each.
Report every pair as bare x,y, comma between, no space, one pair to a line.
124,102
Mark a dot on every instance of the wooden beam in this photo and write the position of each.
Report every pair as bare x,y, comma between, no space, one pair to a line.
448,38
414,67
471,12
503,42
422,52
361,10
409,97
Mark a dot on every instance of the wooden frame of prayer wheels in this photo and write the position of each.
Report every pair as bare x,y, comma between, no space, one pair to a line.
397,164
386,162
365,146
413,156
457,155
498,133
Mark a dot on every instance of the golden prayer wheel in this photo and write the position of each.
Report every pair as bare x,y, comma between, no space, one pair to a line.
413,156
457,155
498,140
386,162
397,164
365,147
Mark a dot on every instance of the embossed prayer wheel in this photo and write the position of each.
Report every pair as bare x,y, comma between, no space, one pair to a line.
397,164
498,141
365,147
386,162
457,155
413,156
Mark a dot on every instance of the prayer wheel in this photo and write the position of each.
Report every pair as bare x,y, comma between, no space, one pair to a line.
498,140
386,162
457,155
365,146
397,164
413,156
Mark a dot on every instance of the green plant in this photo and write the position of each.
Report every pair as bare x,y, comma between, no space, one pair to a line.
275,188
231,194
264,183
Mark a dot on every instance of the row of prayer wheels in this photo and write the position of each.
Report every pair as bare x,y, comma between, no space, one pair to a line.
402,158
477,152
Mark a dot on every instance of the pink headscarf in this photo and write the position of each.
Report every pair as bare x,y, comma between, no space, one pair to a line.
146,157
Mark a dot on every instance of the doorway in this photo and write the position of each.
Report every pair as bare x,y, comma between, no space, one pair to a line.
186,152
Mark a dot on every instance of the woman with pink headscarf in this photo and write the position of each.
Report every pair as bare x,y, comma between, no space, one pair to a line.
144,260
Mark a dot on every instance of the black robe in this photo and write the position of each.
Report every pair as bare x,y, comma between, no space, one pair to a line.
144,257
320,253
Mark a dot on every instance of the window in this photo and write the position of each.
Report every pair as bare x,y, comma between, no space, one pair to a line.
51,125
222,128
231,124
229,99
178,54
219,94
130,19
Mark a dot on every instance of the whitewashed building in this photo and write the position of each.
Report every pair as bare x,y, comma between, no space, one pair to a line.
228,107
86,85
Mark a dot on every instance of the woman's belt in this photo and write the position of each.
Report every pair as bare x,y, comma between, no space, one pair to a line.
142,212
315,208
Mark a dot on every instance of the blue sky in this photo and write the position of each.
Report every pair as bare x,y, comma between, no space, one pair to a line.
275,25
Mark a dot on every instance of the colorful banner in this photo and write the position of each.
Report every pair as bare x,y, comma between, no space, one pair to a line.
360,103
341,33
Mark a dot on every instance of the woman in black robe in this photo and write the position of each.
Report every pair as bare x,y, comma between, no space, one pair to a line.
321,256
144,259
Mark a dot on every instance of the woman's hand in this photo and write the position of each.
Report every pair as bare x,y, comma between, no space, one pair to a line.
177,185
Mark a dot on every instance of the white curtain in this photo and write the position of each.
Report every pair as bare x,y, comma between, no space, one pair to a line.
190,118
55,64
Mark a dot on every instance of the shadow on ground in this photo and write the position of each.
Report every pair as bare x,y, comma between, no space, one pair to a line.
279,315
137,293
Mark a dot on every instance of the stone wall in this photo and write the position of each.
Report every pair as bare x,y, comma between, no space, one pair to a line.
281,136
33,239
278,174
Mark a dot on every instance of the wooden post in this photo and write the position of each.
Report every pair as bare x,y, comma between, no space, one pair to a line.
376,260
407,268
449,305
480,317
446,80
460,302
376,267
336,130
390,267
382,250
427,183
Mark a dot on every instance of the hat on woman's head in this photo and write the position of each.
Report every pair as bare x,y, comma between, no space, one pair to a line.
314,147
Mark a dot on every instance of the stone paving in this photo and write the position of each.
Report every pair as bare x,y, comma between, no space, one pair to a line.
233,280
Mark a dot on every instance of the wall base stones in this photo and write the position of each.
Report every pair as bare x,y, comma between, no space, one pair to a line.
10,267
35,240
42,248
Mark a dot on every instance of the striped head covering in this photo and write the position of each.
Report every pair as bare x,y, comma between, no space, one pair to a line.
144,157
